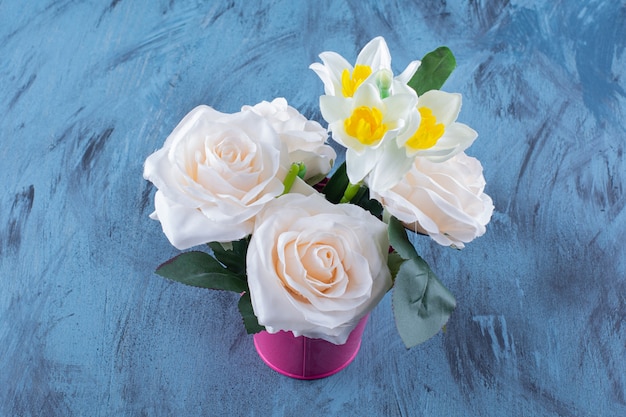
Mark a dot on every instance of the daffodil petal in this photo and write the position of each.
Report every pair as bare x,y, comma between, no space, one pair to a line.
457,138
325,76
398,87
409,72
358,165
330,71
375,54
334,108
399,106
445,106
368,95
390,168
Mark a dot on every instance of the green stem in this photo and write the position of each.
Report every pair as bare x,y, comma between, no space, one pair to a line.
290,178
301,170
350,192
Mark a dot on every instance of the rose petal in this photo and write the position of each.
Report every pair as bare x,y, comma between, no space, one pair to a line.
446,199
316,268
186,227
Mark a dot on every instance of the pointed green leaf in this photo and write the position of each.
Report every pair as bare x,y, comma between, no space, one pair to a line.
434,70
200,269
250,321
336,185
234,258
421,303
362,199
399,240
394,262
241,246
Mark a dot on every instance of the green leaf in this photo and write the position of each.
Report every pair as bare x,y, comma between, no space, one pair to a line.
200,269
362,199
399,240
421,303
250,321
435,69
336,185
394,262
233,259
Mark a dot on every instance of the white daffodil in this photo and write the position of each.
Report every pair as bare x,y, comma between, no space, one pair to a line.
340,78
438,136
367,108
366,122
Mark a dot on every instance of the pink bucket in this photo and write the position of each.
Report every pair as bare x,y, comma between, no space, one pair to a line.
305,358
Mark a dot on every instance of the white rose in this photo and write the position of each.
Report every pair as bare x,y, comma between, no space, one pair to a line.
444,200
315,268
305,139
214,173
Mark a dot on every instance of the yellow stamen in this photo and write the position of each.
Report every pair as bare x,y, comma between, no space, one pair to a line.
350,82
365,124
428,132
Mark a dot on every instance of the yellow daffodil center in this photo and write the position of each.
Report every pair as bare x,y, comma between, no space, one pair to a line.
428,133
366,125
350,82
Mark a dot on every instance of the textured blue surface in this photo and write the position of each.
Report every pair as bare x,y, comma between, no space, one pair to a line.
89,89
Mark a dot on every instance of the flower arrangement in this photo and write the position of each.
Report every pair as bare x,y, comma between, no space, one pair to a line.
313,253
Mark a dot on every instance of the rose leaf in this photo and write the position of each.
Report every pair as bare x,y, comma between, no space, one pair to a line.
434,70
363,200
250,321
200,269
421,303
233,259
399,240
394,262
336,185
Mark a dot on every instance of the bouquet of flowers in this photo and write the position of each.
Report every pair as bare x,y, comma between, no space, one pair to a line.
313,253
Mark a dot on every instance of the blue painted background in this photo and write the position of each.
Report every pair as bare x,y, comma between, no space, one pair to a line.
90,89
